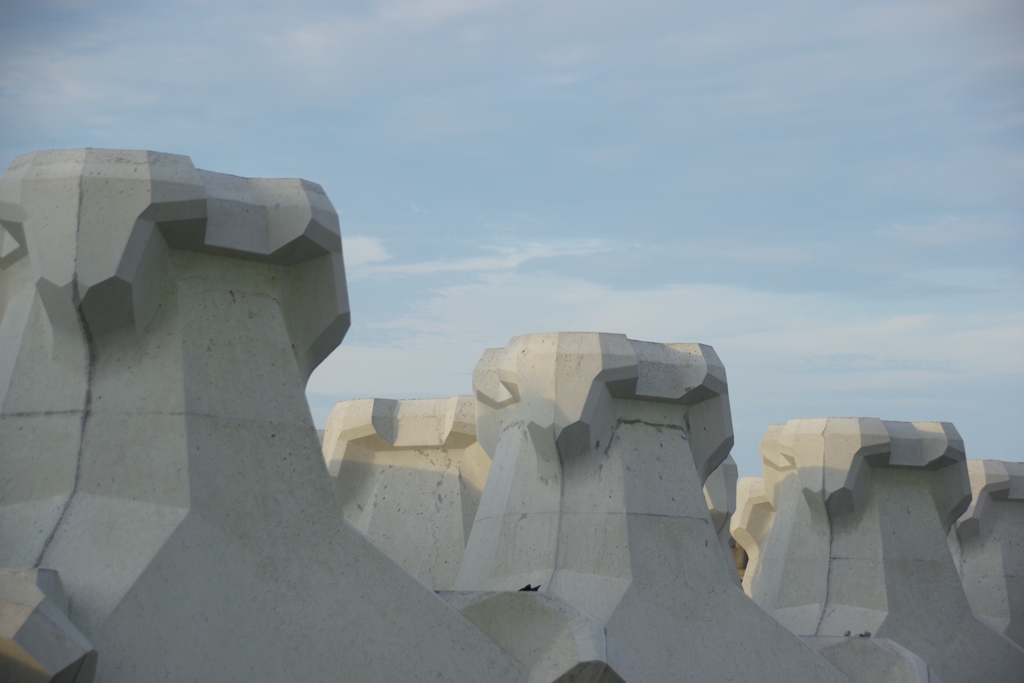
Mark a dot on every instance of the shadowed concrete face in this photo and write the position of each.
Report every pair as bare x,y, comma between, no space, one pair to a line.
158,325
846,535
988,545
555,642
600,446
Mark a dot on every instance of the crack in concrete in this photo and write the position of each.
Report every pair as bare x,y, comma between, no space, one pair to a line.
41,413
90,359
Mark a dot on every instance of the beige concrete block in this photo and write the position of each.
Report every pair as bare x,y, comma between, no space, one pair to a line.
988,545
848,536
158,325
751,522
600,448
409,474
38,643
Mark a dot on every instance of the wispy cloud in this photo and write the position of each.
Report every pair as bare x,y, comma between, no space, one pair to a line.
502,259
360,250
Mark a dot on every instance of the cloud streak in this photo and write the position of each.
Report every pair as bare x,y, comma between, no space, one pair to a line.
504,258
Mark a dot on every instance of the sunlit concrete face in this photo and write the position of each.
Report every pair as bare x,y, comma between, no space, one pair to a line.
846,535
409,474
158,325
600,446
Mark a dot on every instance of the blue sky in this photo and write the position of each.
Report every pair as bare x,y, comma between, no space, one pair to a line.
828,193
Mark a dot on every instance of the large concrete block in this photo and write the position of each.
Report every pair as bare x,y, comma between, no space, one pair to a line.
988,545
600,446
38,643
846,535
158,325
409,474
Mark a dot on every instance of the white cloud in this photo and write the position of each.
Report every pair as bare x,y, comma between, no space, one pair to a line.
801,336
504,258
360,250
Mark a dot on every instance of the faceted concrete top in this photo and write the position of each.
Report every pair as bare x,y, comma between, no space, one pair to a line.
402,423
830,456
570,375
86,219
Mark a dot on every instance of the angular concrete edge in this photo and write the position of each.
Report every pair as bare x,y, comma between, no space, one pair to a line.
37,639
551,639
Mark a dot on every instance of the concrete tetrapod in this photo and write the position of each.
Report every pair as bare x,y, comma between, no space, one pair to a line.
600,446
38,643
409,473
158,325
848,538
988,545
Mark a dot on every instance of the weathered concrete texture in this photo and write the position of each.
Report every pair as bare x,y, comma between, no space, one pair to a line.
38,643
554,641
873,660
409,474
720,496
849,537
600,446
988,545
159,323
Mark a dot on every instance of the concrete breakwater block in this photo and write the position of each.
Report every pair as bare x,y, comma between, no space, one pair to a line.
846,536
